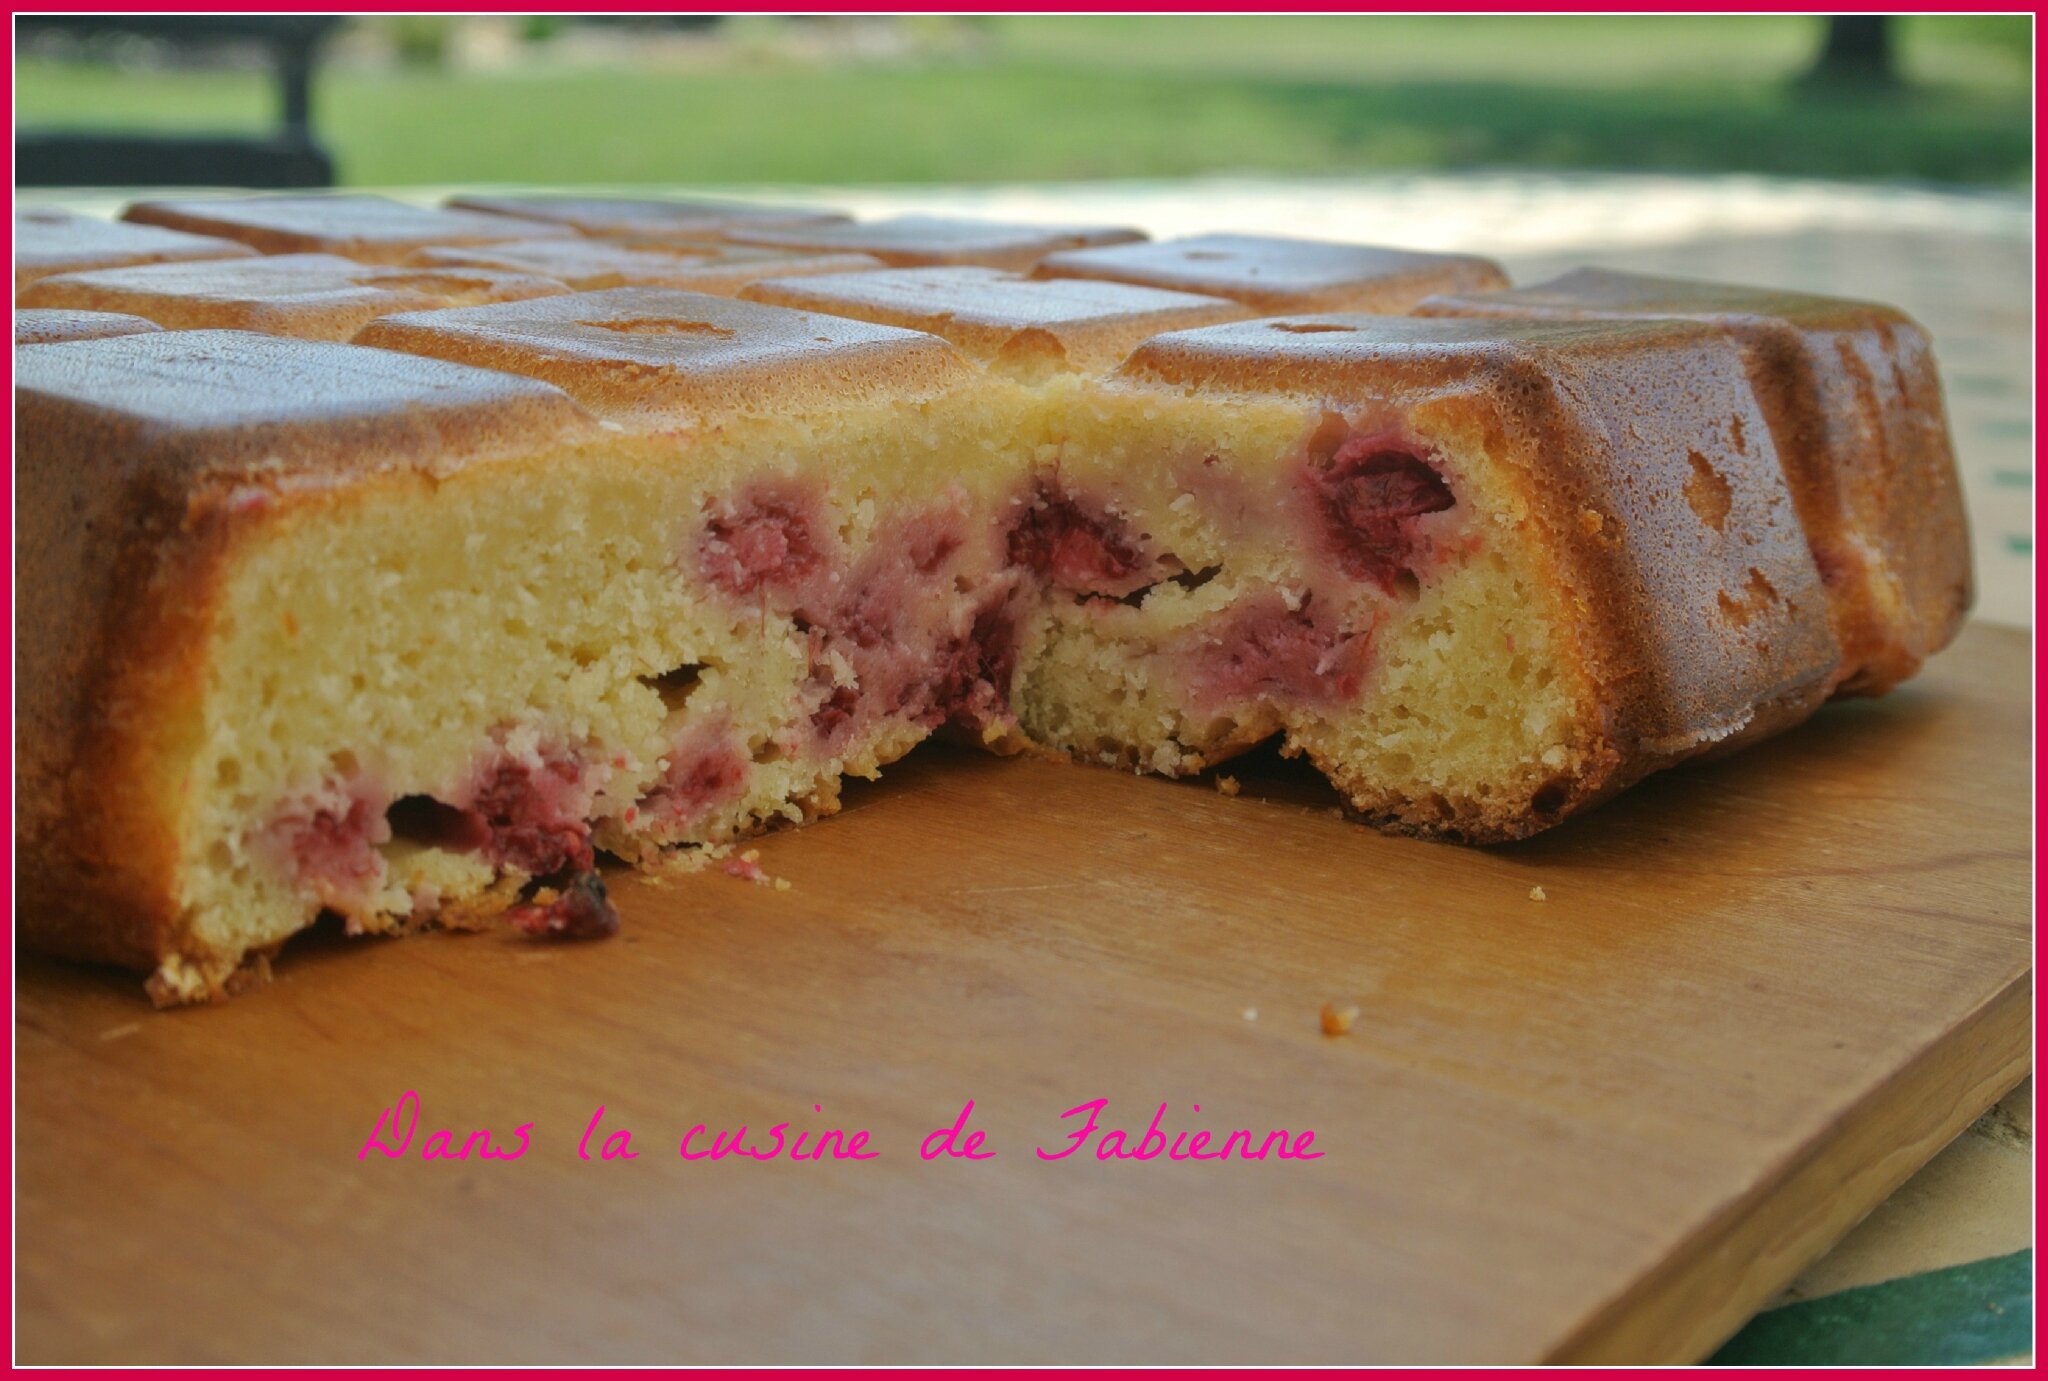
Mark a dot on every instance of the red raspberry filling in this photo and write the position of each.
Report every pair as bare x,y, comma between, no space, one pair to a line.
1077,549
766,540
1368,495
1262,650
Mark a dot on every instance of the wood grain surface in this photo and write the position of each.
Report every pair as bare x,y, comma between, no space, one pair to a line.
1609,1124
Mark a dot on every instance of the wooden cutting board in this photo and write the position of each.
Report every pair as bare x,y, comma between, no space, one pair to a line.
1604,1125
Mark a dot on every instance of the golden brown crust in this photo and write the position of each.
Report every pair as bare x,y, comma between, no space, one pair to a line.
48,241
1695,624
594,265
367,229
998,316
311,296
1276,275
661,359
49,325
1854,405
647,218
914,241
138,460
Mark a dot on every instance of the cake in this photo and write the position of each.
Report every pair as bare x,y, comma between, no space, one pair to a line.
48,325
1853,402
594,265
915,241
1005,319
368,229
1276,276
47,241
651,219
314,296
413,629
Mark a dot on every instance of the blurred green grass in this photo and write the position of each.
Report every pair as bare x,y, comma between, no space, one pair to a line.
1053,98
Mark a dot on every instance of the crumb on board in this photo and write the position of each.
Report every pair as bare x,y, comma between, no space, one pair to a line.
1337,1020
114,1033
748,868
1538,894
1227,786
1249,1013
782,884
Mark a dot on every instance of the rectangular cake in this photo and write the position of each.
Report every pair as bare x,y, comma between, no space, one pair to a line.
415,629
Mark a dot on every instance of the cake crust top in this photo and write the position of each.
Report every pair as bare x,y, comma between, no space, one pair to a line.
1278,273
650,217
1604,294
371,229
221,408
49,325
990,313
913,241
316,296
47,241
658,358
593,265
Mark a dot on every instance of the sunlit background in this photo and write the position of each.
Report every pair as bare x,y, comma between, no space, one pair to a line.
437,99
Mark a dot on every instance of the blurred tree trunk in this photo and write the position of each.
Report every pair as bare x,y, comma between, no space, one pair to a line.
1858,49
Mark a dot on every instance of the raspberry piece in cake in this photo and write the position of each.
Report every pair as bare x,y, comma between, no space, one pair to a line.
1454,563
651,219
1854,408
47,241
1274,275
368,229
594,265
1369,492
915,241
312,296
1005,319
48,325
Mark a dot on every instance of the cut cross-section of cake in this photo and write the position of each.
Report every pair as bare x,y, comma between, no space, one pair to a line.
48,325
915,241
594,265
368,229
1276,275
312,296
840,585
1005,319
294,636
1855,410
48,240
1465,567
654,219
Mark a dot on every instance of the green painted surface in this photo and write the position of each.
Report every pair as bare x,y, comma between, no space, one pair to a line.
1980,1312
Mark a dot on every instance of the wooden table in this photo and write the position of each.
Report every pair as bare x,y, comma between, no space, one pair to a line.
1608,1124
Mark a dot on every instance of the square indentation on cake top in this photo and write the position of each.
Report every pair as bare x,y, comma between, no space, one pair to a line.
219,407
1606,295
48,240
49,325
313,296
1276,275
649,218
592,265
912,241
369,229
1006,318
661,358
